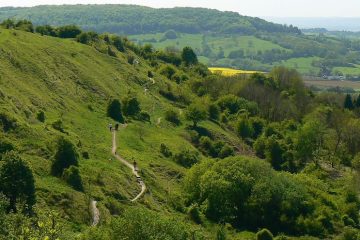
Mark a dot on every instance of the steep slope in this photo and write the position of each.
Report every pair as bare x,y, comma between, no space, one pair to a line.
72,83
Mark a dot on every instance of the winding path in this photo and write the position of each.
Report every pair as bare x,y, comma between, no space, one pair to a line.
129,165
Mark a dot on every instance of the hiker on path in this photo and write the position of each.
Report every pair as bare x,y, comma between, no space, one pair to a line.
116,126
135,165
110,127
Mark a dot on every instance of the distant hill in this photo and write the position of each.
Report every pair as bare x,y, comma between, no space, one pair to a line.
330,23
220,39
131,19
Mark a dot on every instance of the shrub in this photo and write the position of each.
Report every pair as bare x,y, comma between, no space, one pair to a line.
41,116
164,150
144,116
194,213
87,37
196,113
66,156
186,158
119,45
69,31
114,110
245,129
5,146
214,112
58,125
72,176
150,74
168,71
172,116
226,151
264,234
46,30
131,59
131,106
8,123
85,155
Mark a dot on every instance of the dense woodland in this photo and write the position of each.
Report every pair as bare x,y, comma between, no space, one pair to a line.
263,156
253,43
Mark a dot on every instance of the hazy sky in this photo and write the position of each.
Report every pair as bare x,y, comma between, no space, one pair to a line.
260,8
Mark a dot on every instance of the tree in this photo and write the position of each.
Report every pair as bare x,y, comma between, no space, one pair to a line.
46,30
17,182
196,113
41,116
188,56
357,102
114,111
69,31
131,106
72,176
214,112
66,156
118,43
245,129
348,103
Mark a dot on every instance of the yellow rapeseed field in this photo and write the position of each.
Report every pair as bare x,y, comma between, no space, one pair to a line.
229,71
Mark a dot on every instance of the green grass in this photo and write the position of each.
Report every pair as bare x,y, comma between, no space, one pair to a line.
302,65
353,71
73,82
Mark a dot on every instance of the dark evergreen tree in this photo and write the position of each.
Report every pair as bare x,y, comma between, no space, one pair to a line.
114,111
348,104
357,102
17,182
188,56
131,106
65,157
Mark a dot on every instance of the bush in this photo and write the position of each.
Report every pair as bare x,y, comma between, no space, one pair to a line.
172,116
66,156
164,150
264,234
186,158
245,129
119,44
5,146
144,116
41,116
114,111
214,112
72,176
58,125
131,106
196,113
85,155
8,123
226,151
194,213
168,71
87,37
69,31
46,30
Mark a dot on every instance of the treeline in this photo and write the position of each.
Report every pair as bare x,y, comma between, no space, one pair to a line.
126,19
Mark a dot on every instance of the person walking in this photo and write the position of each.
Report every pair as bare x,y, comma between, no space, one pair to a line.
110,127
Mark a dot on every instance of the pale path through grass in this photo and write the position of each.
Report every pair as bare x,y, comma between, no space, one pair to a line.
129,165
95,213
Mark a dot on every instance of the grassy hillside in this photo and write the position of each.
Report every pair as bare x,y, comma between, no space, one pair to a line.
222,157
221,39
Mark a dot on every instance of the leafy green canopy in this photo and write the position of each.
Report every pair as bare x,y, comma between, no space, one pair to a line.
249,193
17,182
